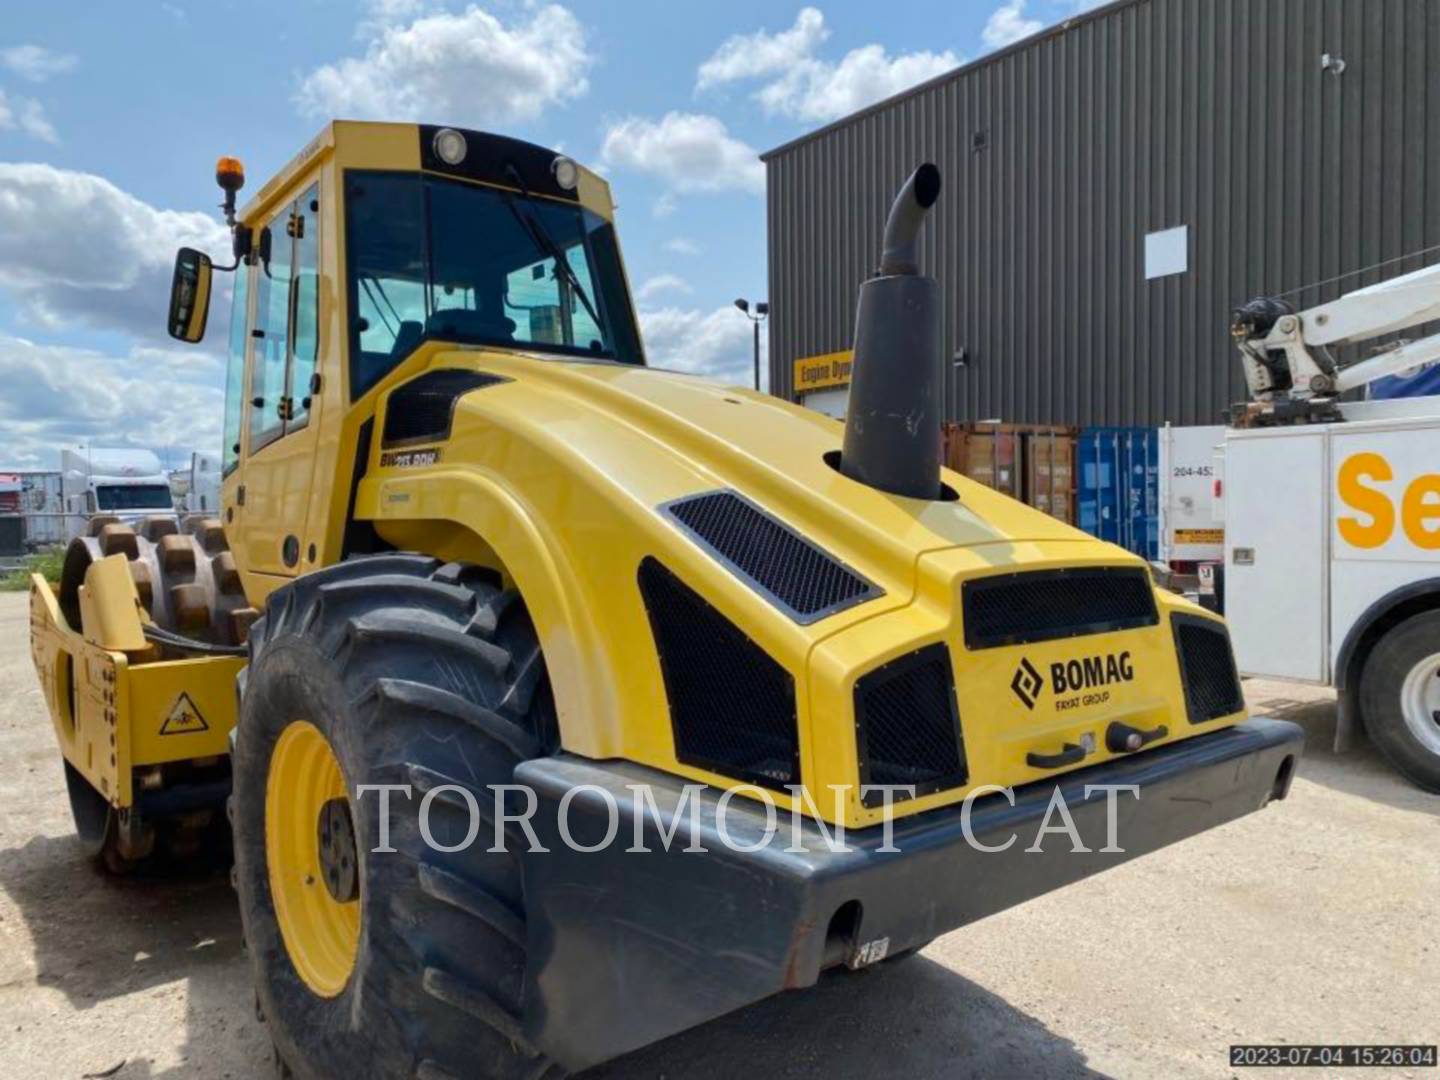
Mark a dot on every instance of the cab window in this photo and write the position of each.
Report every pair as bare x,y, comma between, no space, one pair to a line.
439,259
305,328
286,338
235,369
272,332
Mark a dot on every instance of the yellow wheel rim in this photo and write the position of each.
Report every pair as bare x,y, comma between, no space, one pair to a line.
321,933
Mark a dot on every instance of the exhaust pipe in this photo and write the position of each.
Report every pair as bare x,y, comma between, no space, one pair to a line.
892,424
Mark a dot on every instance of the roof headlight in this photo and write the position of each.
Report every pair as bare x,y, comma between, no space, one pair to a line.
567,173
450,146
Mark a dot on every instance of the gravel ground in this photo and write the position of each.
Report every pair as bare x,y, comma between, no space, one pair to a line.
1313,921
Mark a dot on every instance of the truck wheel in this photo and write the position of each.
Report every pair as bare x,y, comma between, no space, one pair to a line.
388,669
1400,698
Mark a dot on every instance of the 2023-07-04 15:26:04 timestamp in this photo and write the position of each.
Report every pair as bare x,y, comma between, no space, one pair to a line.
1335,1056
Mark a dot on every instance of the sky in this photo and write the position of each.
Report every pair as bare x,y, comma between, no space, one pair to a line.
112,116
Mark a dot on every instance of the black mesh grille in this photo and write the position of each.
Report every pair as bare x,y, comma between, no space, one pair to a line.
792,573
908,727
1042,605
422,409
732,708
1207,668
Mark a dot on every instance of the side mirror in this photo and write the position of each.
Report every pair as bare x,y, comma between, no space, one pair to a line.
190,295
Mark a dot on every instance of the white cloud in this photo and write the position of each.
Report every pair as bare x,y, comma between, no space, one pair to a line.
467,67
808,88
681,245
689,151
59,396
821,91
749,56
35,62
76,250
662,283
716,343
665,205
1007,24
27,115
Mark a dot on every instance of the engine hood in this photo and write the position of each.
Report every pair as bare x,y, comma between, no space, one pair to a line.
660,435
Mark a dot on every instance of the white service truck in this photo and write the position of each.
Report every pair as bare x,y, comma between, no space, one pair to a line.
1332,517
126,484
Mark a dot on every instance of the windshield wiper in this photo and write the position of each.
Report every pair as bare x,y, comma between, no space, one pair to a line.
546,242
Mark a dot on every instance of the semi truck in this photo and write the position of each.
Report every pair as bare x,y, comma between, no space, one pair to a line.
1331,510
126,485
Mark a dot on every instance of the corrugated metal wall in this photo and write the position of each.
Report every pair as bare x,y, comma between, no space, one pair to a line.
1215,114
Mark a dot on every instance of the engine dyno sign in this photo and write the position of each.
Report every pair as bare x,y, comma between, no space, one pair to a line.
1073,684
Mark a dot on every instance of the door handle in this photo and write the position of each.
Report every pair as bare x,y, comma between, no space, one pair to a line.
1070,754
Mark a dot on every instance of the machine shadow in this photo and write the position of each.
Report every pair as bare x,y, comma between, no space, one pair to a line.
96,937
912,1017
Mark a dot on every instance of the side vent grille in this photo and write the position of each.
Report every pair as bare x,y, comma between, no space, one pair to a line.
788,570
908,727
732,708
423,409
1207,668
1043,605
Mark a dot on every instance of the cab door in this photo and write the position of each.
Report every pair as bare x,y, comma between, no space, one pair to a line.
281,407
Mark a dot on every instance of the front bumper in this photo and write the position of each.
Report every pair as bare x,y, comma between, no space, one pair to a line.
629,947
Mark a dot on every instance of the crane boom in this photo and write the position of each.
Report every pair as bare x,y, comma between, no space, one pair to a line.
1288,368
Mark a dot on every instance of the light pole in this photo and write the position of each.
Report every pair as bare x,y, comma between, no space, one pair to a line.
761,310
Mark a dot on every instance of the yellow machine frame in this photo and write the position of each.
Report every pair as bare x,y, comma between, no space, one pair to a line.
113,713
553,477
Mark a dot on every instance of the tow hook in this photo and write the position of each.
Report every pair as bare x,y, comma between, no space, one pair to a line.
1124,739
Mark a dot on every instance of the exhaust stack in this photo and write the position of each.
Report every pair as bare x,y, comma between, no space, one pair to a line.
892,425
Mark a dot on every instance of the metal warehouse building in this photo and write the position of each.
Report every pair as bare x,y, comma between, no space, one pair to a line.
1113,187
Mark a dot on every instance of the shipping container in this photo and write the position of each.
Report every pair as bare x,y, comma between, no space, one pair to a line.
1119,486
1049,455
1034,463
41,508
985,452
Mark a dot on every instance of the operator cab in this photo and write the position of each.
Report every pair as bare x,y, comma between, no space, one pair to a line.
376,241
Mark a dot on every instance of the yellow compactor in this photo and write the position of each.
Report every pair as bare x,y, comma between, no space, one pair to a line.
468,539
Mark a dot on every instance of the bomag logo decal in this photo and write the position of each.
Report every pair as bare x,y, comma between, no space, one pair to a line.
1075,684
1027,683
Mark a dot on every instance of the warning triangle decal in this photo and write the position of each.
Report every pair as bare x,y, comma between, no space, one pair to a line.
184,718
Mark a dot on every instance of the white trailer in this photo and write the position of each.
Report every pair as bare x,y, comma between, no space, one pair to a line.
125,484
1192,530
203,488
1332,517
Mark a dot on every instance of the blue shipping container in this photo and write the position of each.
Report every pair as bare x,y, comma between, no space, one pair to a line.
1119,486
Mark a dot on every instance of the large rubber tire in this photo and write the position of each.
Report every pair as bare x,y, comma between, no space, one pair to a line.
1408,738
416,673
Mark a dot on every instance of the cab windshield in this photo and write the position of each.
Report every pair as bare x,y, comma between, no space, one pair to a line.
431,258
133,497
